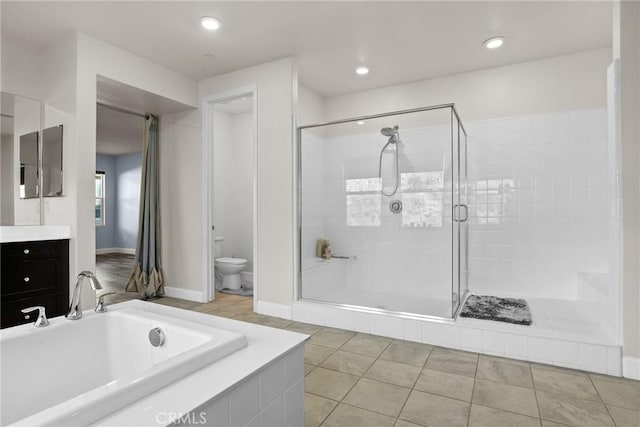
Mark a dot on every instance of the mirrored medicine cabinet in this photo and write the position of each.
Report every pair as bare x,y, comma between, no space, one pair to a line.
30,160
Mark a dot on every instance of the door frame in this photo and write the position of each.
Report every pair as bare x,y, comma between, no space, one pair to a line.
208,105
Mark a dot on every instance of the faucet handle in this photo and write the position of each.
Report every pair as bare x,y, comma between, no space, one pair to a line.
42,320
100,307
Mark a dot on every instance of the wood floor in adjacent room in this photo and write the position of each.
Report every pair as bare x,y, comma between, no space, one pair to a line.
113,271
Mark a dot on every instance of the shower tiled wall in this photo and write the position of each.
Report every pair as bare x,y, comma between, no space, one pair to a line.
538,208
407,253
538,203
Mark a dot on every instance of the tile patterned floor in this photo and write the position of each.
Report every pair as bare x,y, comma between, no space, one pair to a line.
371,380
355,379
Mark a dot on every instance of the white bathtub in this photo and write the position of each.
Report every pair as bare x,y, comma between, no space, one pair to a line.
76,372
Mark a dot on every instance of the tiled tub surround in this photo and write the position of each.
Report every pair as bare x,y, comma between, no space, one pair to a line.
259,385
539,226
362,379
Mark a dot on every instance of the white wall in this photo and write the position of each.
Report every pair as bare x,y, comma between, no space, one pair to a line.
538,203
6,180
275,172
181,183
233,184
626,42
69,91
27,120
185,179
22,67
310,107
554,84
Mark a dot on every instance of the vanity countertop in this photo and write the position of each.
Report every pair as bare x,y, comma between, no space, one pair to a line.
31,233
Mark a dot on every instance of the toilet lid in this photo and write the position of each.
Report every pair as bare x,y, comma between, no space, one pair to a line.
231,260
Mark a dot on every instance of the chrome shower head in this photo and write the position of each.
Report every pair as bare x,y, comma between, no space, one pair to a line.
389,131
392,133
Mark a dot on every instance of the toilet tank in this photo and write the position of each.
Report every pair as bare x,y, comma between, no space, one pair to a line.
218,247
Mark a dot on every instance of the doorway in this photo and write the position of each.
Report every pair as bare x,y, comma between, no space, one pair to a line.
230,165
119,143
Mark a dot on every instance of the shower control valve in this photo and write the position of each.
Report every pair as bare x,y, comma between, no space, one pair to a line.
395,206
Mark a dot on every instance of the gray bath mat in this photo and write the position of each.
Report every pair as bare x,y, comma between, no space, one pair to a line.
487,307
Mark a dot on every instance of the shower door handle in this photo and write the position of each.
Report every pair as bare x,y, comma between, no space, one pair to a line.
456,213
466,213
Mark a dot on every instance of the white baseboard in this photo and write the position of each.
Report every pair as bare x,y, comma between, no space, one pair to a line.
103,251
276,310
183,294
631,367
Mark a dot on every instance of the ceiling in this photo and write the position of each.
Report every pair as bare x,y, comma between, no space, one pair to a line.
118,133
399,41
118,94
121,133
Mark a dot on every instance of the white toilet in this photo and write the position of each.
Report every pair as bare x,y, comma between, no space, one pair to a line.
227,269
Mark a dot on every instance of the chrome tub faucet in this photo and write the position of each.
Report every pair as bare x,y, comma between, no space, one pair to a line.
42,320
75,312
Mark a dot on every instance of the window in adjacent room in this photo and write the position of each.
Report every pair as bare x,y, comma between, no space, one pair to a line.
100,197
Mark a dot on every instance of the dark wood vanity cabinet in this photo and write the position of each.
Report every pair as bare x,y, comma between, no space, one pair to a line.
33,273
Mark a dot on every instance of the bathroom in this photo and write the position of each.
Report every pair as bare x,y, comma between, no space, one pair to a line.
537,111
233,196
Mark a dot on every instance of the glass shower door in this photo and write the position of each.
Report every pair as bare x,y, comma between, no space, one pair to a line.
383,193
460,213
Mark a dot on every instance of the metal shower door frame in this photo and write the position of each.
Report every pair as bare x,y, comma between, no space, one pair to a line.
298,232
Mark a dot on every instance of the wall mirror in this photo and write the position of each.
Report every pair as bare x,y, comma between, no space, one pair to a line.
52,161
29,165
19,166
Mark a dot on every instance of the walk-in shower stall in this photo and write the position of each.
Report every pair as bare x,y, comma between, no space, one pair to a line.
382,211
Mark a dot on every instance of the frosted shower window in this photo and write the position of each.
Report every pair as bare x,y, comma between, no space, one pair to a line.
363,202
422,199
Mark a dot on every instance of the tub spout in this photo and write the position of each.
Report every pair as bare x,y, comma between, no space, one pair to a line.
75,312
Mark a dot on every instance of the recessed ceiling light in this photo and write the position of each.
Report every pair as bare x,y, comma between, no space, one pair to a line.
361,71
210,23
494,42
360,122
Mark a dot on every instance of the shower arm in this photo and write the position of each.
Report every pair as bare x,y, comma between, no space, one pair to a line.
395,188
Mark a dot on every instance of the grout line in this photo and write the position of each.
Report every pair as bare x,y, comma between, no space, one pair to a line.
331,411
364,373
535,394
414,384
473,390
515,413
602,400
